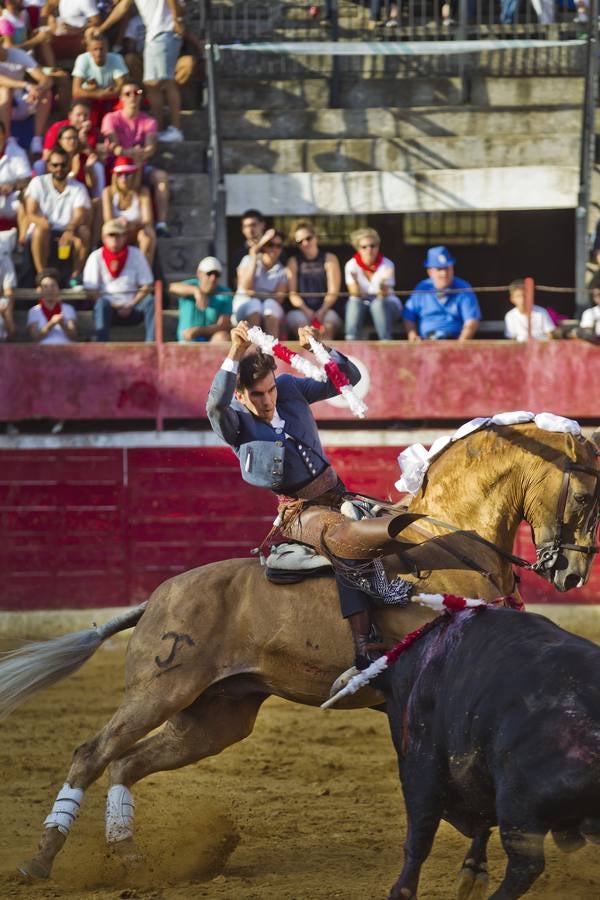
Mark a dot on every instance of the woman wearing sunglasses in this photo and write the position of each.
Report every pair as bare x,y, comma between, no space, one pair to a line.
262,284
370,279
315,278
122,199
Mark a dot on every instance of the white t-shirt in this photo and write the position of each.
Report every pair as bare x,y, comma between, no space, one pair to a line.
77,12
515,324
57,207
56,335
17,62
156,16
105,76
590,318
122,289
14,166
370,288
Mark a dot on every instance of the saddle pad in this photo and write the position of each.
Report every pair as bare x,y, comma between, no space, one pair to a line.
291,576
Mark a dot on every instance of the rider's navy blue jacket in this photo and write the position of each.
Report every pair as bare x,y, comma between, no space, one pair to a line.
282,461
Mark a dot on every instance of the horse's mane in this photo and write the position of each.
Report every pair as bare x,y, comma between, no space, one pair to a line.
416,465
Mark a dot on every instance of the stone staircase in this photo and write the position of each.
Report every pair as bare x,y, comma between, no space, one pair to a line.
401,138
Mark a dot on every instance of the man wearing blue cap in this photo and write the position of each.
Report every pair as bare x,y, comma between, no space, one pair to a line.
441,307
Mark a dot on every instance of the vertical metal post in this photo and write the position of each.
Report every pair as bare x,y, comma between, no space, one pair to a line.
334,80
464,63
215,168
529,299
586,160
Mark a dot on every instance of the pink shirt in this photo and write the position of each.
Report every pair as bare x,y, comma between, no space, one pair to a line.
129,132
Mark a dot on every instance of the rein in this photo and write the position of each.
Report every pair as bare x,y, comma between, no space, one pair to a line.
546,553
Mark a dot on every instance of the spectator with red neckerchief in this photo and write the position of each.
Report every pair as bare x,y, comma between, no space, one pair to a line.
370,279
51,321
119,280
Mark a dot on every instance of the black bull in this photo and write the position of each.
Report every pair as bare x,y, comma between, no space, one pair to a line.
495,716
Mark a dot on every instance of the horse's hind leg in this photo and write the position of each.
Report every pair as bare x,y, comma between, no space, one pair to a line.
134,719
208,726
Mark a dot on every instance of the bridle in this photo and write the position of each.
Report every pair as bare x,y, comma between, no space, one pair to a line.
547,552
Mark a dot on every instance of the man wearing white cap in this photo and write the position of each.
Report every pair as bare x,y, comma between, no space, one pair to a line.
118,278
204,304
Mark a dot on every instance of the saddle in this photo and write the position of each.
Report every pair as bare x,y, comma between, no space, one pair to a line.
293,561
290,562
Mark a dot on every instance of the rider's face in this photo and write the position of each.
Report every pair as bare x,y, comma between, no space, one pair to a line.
261,398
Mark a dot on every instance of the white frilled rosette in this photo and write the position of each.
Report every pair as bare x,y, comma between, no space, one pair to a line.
354,403
416,459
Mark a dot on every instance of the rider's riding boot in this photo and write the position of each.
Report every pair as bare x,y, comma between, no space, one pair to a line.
367,642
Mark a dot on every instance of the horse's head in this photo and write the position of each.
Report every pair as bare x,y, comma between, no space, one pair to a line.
565,510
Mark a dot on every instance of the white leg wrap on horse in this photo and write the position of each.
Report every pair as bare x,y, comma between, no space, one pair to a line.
120,807
65,810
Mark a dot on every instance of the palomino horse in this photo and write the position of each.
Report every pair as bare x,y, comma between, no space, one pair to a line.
213,643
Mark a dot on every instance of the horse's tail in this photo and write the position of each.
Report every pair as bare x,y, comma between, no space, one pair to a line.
41,663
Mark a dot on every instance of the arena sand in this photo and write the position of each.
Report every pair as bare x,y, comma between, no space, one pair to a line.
307,808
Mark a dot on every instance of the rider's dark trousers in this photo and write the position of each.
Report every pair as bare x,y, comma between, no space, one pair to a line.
352,599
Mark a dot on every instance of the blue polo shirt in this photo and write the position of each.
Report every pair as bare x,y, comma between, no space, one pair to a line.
441,315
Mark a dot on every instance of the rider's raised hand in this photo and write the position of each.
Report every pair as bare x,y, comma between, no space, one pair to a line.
239,340
305,332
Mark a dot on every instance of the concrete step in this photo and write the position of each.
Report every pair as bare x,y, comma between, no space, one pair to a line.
382,122
559,61
352,193
189,221
189,190
361,93
413,155
86,328
181,255
188,156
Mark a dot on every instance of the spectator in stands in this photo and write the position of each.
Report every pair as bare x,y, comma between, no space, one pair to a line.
262,284
7,322
17,27
15,173
516,320
68,21
57,206
315,279
20,100
119,281
544,10
98,76
375,13
589,327
442,306
204,304
133,207
192,51
57,212
164,29
51,321
130,132
370,280
79,116
253,228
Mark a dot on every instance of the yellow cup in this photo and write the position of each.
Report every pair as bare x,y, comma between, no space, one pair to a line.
64,251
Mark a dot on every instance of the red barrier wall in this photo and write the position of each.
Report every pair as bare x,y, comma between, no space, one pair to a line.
434,380
103,527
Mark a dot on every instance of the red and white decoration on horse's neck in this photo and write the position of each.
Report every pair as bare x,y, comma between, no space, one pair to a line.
328,368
